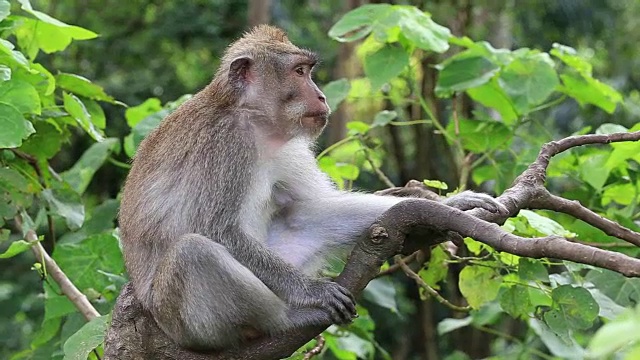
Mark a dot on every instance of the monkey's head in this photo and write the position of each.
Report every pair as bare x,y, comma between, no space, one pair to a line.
265,74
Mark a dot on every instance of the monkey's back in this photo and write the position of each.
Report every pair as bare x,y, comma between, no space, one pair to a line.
185,178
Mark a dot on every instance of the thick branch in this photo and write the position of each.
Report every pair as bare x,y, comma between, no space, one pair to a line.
134,334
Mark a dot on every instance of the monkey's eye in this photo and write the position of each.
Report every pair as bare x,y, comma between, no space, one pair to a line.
300,70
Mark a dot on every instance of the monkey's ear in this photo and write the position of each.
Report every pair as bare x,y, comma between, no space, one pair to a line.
240,69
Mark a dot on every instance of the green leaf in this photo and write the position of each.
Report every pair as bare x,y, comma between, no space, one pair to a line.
15,192
79,112
492,96
624,291
590,91
22,95
593,170
5,73
336,91
383,118
80,175
448,325
436,270
464,72
83,87
532,270
67,203
562,347
16,248
359,22
348,171
574,306
529,81
515,301
480,136
382,292
609,128
84,261
544,225
47,33
14,126
5,9
615,335
90,336
385,64
357,127
423,32
97,114
479,285
436,184
569,56
34,34
623,194
135,114
45,143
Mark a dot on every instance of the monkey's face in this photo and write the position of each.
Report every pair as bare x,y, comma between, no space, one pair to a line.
305,106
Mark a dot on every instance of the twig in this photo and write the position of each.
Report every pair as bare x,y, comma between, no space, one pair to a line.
316,350
431,291
377,170
575,209
393,268
68,288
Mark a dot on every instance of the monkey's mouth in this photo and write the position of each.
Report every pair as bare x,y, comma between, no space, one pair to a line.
315,120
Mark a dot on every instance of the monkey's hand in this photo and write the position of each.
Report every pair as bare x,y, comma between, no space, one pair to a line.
331,297
468,200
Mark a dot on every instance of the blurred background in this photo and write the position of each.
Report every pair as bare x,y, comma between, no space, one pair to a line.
164,49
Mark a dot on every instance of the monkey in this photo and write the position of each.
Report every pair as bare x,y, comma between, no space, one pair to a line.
225,217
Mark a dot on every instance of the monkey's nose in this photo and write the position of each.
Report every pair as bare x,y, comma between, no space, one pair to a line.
322,98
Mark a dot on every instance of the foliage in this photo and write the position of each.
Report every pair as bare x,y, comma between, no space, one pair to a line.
557,306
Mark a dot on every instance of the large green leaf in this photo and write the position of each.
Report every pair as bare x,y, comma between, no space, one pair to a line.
135,114
491,95
5,9
479,285
78,111
529,81
83,87
15,248
590,91
46,33
359,22
381,292
80,175
336,91
84,262
46,142
480,136
65,202
385,64
464,72
574,307
14,126
515,301
90,336
20,94
423,32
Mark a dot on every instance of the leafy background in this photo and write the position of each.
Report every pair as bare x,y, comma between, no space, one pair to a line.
464,93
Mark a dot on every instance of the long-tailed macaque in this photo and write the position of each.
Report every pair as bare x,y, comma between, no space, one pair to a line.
226,218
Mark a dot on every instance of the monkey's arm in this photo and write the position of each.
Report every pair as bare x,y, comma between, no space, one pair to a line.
307,231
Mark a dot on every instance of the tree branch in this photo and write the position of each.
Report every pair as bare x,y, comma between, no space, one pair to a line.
134,334
68,288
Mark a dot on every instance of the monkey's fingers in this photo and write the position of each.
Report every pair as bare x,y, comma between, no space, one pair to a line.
347,293
468,200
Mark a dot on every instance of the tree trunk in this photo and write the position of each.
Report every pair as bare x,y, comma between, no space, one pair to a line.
259,12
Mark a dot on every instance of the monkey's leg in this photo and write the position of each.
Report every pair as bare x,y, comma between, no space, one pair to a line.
203,298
